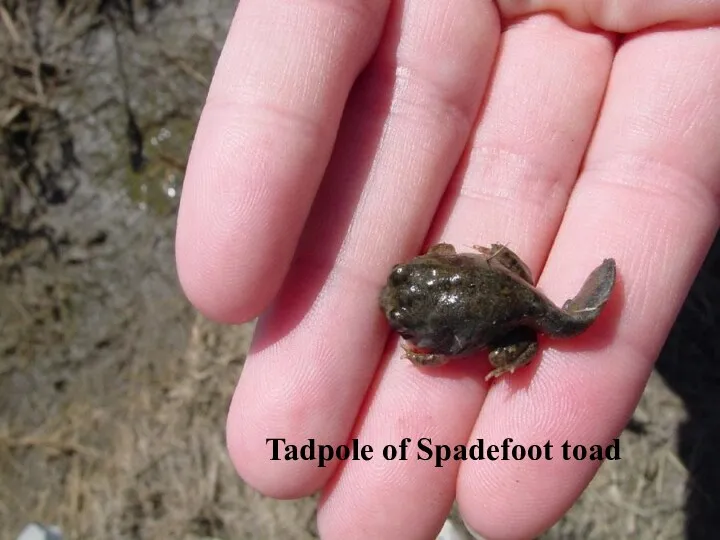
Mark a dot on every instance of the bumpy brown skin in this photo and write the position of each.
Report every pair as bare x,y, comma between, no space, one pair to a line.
448,304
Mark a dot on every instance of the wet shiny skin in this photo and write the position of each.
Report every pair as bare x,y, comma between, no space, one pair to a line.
447,304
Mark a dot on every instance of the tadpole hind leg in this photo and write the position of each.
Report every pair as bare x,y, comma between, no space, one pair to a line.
512,351
508,258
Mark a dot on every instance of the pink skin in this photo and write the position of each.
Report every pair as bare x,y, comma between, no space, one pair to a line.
570,143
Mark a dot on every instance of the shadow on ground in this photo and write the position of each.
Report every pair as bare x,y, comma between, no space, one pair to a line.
690,366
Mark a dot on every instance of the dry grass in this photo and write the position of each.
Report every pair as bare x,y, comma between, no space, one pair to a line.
113,393
145,459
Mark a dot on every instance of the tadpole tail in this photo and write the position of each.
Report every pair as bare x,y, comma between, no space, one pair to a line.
578,313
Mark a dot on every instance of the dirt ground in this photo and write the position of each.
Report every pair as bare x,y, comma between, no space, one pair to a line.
113,391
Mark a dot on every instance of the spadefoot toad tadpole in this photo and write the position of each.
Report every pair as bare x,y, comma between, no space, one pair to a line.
448,304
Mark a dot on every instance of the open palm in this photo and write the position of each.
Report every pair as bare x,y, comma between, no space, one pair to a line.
340,138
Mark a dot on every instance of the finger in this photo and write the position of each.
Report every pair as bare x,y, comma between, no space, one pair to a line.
263,143
530,140
610,15
648,196
316,350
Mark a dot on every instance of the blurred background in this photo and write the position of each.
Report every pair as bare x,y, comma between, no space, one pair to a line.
113,391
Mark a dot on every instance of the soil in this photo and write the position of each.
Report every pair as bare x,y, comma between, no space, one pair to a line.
113,391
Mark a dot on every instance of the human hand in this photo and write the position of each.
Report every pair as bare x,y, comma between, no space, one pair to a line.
572,137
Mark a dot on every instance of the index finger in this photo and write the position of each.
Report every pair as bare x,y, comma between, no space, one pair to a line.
262,145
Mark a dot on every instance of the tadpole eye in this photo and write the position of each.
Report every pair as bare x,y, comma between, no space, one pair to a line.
397,318
399,274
